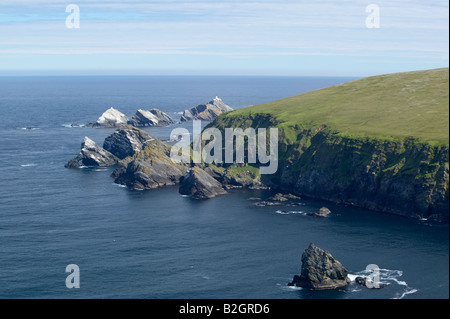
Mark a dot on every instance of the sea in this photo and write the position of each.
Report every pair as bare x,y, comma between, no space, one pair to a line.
157,244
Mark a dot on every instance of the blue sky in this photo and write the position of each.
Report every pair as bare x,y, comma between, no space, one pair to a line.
231,37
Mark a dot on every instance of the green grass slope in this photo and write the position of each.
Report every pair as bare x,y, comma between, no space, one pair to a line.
393,106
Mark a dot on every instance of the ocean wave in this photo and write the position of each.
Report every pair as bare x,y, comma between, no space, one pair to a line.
120,185
72,125
28,165
30,128
290,212
388,277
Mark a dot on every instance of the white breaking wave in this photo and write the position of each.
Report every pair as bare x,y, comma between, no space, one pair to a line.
28,165
30,128
387,277
289,212
71,125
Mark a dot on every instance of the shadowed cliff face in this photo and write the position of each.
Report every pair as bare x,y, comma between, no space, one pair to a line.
399,176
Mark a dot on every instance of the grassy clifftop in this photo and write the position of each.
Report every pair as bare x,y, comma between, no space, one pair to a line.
379,143
393,106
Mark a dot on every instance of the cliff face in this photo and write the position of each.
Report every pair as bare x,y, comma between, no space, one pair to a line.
400,176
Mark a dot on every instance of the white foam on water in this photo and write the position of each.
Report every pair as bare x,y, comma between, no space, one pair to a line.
408,292
28,165
388,277
352,277
72,125
30,128
290,212
120,185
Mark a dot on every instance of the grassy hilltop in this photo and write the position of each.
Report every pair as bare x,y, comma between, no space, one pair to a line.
412,104
380,143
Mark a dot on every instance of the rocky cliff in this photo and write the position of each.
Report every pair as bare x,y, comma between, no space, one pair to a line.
402,176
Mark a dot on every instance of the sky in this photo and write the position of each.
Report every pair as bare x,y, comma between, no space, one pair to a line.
228,37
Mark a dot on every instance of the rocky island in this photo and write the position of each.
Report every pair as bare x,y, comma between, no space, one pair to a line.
206,112
153,117
92,155
320,271
110,118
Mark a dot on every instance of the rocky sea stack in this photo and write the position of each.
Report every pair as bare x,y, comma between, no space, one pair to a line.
126,141
206,112
320,271
199,184
111,118
153,117
92,155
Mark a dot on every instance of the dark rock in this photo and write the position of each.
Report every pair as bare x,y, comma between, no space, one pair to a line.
149,168
362,281
126,141
320,270
283,197
206,112
199,184
92,155
153,117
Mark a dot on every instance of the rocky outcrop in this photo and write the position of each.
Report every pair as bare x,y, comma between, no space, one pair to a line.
279,197
92,155
322,212
363,281
320,271
206,112
126,141
236,176
153,117
149,168
111,118
199,184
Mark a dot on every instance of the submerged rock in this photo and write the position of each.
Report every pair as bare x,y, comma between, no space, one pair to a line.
92,155
320,271
279,197
362,281
199,184
206,112
111,118
153,117
126,141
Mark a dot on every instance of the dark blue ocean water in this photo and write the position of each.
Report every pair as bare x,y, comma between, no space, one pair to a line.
158,244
